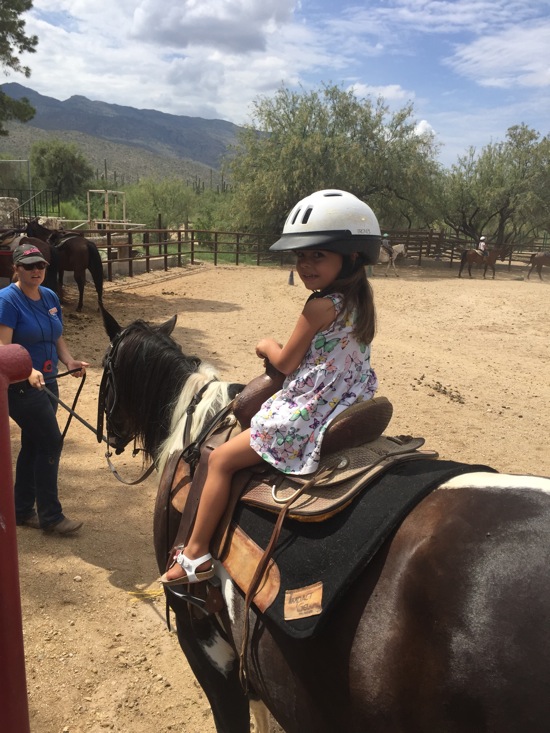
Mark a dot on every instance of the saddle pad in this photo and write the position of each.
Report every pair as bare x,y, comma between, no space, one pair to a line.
322,559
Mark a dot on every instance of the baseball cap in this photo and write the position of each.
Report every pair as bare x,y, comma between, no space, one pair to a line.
27,254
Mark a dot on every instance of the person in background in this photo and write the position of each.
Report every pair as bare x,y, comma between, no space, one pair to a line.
386,244
30,315
482,246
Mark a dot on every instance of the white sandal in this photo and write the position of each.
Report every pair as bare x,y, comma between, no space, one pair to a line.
190,566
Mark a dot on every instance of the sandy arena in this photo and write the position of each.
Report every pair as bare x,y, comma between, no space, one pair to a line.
465,363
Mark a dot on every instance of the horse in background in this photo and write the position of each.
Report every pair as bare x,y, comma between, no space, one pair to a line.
445,630
474,256
75,254
10,239
390,254
537,260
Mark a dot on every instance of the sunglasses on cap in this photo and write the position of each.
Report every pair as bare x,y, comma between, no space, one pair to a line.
33,266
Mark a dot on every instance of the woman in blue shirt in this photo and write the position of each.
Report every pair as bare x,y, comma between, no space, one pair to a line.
30,315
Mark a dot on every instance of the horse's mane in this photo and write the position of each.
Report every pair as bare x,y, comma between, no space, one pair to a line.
148,356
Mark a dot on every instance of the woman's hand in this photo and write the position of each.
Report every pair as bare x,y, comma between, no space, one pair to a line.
77,364
36,379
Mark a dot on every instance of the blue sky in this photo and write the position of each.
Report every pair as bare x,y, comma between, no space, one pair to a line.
471,68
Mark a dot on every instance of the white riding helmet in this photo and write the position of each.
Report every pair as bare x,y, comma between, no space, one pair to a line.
332,220
482,239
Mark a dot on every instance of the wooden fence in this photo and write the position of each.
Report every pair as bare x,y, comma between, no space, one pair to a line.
135,251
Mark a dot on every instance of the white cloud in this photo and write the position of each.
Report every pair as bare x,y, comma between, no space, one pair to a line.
239,26
213,58
515,57
423,127
390,92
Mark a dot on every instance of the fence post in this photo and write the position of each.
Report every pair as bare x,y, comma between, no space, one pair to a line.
109,258
15,365
130,255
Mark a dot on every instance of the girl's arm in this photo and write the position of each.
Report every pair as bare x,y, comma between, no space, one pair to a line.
317,315
65,356
35,378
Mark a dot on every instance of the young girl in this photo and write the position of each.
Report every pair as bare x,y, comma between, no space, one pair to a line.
326,360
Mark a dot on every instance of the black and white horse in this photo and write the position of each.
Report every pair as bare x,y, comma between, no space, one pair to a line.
446,630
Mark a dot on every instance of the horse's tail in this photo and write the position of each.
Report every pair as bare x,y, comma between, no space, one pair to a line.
95,266
463,256
532,258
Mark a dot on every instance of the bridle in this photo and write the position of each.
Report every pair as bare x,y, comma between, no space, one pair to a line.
108,383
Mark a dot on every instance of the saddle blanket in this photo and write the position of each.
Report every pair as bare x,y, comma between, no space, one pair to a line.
318,561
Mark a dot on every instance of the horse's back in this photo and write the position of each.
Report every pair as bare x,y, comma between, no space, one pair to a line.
446,630
455,636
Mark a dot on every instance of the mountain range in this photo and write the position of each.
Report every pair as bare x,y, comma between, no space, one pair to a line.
133,141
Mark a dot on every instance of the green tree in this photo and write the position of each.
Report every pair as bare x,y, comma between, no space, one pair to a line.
60,167
504,192
173,200
14,41
328,138
13,174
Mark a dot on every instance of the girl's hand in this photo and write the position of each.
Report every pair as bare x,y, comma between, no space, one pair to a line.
36,379
76,364
265,347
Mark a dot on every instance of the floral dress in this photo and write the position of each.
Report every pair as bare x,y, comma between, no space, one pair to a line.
288,430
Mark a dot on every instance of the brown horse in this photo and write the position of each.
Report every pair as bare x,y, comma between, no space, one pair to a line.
538,259
9,238
474,256
75,254
446,629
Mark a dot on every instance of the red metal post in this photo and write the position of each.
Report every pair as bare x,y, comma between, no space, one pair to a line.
15,365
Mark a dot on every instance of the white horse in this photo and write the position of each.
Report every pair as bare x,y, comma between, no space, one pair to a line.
384,256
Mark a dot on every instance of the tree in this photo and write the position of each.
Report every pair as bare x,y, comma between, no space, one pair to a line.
61,167
302,142
173,200
14,41
503,192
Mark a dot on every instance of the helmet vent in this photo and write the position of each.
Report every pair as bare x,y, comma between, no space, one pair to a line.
296,215
307,214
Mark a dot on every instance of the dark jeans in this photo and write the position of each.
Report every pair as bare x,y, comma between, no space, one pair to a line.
38,460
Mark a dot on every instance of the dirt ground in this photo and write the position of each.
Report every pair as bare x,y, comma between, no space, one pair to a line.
465,363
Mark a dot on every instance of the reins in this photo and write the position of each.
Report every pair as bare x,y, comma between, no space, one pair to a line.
71,410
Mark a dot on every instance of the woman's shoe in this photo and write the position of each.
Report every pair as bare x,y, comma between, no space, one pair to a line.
65,526
31,521
190,566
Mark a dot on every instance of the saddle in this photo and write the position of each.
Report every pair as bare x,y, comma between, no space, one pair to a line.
354,454
60,237
10,240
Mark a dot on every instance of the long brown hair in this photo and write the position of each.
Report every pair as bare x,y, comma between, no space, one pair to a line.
358,300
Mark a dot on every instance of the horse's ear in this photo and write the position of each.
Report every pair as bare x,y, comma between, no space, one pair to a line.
169,326
111,325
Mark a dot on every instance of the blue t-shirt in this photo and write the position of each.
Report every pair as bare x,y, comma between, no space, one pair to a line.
36,324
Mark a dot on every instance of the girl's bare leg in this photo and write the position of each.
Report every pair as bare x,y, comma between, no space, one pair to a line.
224,461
